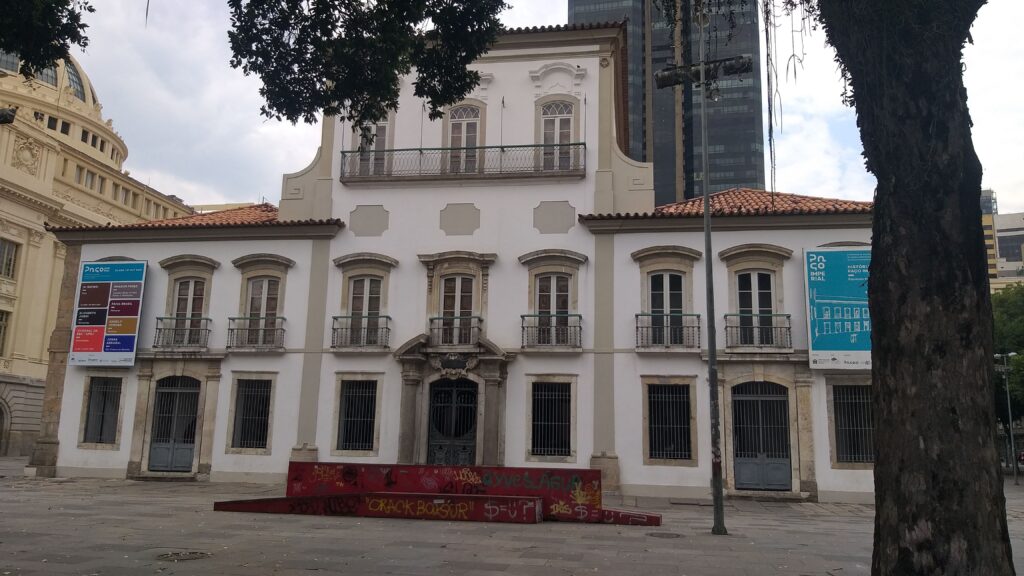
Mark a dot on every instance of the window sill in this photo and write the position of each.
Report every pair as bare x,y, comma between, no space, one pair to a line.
668,349
757,350
98,446
256,350
355,453
673,463
361,349
180,350
248,451
853,466
571,459
551,350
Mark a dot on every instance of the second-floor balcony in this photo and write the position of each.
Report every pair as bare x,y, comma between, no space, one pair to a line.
361,332
181,333
758,331
455,330
545,331
524,161
256,333
667,331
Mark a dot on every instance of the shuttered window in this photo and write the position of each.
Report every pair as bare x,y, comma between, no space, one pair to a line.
8,259
252,414
552,419
855,431
358,412
101,413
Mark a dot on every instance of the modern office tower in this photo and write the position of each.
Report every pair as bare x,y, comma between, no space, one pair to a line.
665,123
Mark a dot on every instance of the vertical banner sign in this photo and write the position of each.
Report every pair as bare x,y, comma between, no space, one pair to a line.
107,309
838,322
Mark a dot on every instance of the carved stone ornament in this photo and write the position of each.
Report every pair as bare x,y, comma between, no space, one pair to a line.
35,237
5,365
453,365
27,155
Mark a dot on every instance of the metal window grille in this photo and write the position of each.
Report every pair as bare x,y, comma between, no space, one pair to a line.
358,412
668,421
855,431
8,258
552,419
252,414
101,415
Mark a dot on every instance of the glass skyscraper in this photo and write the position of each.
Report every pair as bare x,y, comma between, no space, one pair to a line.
664,124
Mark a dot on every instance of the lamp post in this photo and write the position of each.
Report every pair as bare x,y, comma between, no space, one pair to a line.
1005,370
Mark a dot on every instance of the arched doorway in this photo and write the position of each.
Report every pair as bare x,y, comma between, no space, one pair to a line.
761,452
172,443
451,436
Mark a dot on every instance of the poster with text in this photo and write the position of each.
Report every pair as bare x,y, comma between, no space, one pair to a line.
105,326
838,322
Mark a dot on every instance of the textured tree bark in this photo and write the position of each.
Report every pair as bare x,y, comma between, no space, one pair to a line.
938,489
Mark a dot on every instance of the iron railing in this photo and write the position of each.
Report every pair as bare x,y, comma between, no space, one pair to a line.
182,332
361,332
256,332
758,331
552,330
455,330
668,330
459,163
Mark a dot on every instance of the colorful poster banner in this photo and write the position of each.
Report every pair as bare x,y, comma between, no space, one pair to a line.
838,321
107,313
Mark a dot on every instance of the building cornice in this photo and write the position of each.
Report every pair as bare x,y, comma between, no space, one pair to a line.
196,234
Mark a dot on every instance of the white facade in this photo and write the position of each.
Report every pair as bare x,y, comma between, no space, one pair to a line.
495,208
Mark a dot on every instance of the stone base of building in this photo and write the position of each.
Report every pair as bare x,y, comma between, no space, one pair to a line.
608,464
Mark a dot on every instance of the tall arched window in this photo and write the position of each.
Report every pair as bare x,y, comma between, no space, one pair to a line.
463,138
75,81
556,123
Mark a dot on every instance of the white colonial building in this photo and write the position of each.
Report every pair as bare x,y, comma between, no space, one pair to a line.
494,288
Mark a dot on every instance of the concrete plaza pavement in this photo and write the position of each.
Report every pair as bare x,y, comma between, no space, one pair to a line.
112,527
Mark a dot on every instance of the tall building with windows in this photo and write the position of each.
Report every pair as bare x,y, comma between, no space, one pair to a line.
61,163
989,210
664,123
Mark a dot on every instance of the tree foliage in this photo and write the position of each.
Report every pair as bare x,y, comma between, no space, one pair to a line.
1008,312
42,31
347,57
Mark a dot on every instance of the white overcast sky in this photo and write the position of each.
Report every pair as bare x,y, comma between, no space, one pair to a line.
193,127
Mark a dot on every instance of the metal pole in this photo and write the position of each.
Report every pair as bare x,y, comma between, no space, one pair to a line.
701,17
1009,416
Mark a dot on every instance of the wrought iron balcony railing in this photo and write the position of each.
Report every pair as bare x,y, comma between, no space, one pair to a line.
552,330
668,331
256,332
455,330
361,332
758,331
464,163
189,332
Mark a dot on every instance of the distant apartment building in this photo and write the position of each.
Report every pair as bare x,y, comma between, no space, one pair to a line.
989,210
664,124
1010,243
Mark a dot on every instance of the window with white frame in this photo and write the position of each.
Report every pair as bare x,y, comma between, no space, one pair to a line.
8,259
357,414
854,427
364,308
557,130
551,419
755,298
189,306
463,138
252,413
665,301
261,310
104,401
372,155
457,312
552,309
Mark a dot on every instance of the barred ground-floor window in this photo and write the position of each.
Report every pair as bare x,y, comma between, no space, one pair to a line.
252,418
854,427
102,408
551,419
358,404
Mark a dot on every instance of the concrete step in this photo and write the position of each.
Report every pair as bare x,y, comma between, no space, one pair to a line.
462,507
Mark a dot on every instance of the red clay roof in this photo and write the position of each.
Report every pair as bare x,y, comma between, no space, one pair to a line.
563,27
256,215
749,202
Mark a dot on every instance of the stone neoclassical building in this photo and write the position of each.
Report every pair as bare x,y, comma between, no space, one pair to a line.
61,164
493,288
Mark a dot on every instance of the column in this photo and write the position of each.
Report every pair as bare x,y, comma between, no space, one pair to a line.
213,377
805,432
144,391
412,382
604,456
305,449
494,421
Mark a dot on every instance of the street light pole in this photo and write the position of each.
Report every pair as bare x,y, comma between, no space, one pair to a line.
1009,413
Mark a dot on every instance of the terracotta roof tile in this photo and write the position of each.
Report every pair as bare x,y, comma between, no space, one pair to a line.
256,215
563,27
749,202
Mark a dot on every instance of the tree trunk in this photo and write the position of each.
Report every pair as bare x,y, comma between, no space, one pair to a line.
938,488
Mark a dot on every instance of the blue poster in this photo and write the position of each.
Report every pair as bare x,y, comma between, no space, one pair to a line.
838,321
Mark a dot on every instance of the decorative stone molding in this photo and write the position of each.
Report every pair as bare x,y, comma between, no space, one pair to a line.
263,260
460,219
11,229
365,259
457,262
368,220
554,217
756,251
576,73
35,237
665,252
552,256
480,92
190,260
27,155
453,365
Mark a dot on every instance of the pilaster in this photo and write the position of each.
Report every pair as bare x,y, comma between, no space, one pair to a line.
412,383
805,432
213,377
144,391
305,449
